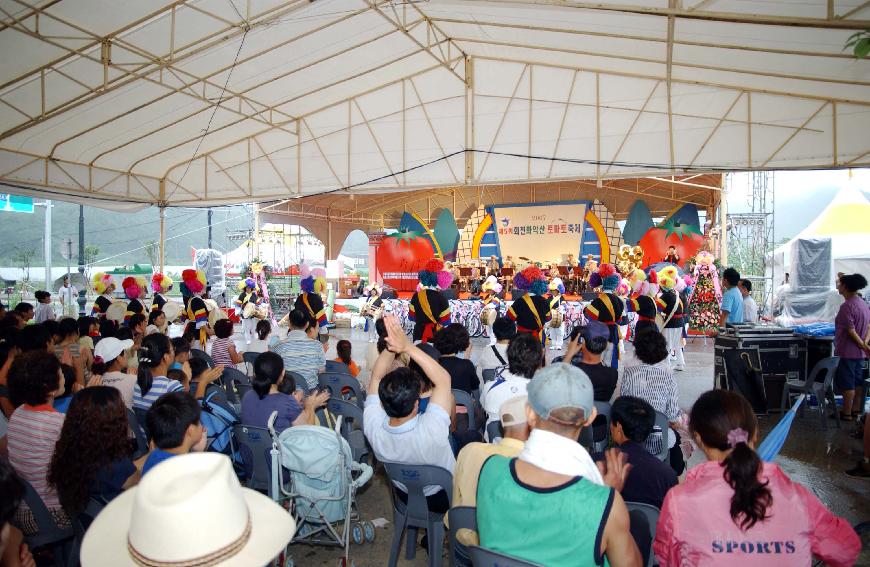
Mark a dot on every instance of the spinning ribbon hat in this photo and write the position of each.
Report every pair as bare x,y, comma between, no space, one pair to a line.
531,280
134,286
313,281
197,311
669,278
609,277
433,275
160,283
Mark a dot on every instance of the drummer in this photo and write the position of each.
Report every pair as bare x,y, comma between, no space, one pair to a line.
247,303
160,284
309,299
104,284
372,310
134,288
532,311
197,311
491,305
556,329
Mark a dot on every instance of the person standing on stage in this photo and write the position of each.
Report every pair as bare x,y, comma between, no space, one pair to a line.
196,310
134,287
372,310
104,285
671,257
607,308
491,305
532,311
643,299
429,309
248,296
556,329
312,284
671,311
160,284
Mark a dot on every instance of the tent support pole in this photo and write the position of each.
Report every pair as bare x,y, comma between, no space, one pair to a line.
723,224
162,238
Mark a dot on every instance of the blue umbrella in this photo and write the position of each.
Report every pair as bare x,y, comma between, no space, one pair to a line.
769,448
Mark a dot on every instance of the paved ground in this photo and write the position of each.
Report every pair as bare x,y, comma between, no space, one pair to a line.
812,455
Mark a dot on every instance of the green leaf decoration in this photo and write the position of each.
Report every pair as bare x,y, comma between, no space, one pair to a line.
678,228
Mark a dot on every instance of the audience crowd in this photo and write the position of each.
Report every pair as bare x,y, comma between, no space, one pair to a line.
74,394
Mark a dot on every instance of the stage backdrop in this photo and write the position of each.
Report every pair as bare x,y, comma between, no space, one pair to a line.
542,232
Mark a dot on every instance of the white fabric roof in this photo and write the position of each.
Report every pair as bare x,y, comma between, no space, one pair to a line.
222,101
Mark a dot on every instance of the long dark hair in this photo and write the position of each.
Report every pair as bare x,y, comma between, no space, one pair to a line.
94,434
716,416
154,348
343,350
268,367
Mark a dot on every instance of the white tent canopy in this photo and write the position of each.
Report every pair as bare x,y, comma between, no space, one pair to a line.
221,101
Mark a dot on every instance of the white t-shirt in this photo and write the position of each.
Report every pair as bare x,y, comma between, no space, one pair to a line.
124,383
257,345
499,391
488,359
64,292
750,310
419,441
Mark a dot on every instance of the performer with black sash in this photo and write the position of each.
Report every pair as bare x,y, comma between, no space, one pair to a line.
134,288
607,308
373,310
248,296
429,309
643,300
195,309
104,285
309,299
556,329
160,284
491,305
532,311
671,311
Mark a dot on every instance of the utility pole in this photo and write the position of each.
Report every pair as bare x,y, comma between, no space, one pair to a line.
82,299
47,244
209,228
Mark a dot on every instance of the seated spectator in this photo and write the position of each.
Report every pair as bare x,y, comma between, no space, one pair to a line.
13,550
197,501
151,382
43,311
495,356
110,361
126,334
393,425
344,350
182,353
35,338
299,351
108,328
35,380
25,310
525,356
138,324
92,455
261,342
201,381
89,329
631,422
591,341
174,428
734,508
70,351
13,320
61,402
454,344
223,349
156,322
653,381
265,397
554,483
471,458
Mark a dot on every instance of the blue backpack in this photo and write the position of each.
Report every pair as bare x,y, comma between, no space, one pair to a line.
218,418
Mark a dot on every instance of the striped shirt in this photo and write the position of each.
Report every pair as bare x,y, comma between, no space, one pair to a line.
33,432
159,386
657,385
220,351
301,354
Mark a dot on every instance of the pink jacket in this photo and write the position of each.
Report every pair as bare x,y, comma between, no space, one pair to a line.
695,526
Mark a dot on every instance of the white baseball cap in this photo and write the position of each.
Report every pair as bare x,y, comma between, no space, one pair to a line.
111,348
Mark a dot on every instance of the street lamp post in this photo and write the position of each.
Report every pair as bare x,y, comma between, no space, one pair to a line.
82,300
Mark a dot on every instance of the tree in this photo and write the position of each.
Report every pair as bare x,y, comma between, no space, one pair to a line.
152,250
23,258
91,253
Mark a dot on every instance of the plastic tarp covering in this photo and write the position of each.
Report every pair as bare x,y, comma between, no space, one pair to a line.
226,101
809,297
211,262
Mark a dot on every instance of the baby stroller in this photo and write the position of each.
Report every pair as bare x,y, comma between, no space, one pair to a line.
322,484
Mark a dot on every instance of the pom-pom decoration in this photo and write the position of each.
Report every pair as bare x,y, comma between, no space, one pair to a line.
444,278
557,284
304,271
194,280
668,277
489,283
606,270
249,282
319,284
538,287
307,284
434,265
623,289
318,273
160,283
428,278
610,283
101,282
520,281
594,280
134,287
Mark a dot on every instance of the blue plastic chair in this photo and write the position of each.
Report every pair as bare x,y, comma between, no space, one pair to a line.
351,427
196,353
255,446
415,514
464,399
229,378
460,518
595,443
249,358
138,434
48,533
336,366
337,382
641,513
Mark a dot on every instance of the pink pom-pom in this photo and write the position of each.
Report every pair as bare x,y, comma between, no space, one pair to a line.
304,271
606,270
445,279
318,273
434,265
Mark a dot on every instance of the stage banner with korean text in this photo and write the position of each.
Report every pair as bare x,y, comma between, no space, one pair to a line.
541,233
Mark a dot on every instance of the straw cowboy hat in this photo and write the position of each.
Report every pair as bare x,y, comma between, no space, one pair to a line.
189,510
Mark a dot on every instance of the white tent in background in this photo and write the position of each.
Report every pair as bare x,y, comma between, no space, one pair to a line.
837,240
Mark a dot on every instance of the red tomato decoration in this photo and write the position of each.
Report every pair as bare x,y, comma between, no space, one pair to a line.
684,237
400,256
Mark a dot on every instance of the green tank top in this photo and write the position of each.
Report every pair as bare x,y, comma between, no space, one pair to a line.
560,526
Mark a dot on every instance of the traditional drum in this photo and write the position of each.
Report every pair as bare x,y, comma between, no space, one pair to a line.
249,311
172,309
116,311
488,315
215,313
557,319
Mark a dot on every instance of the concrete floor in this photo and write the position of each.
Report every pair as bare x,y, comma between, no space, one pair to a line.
813,456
